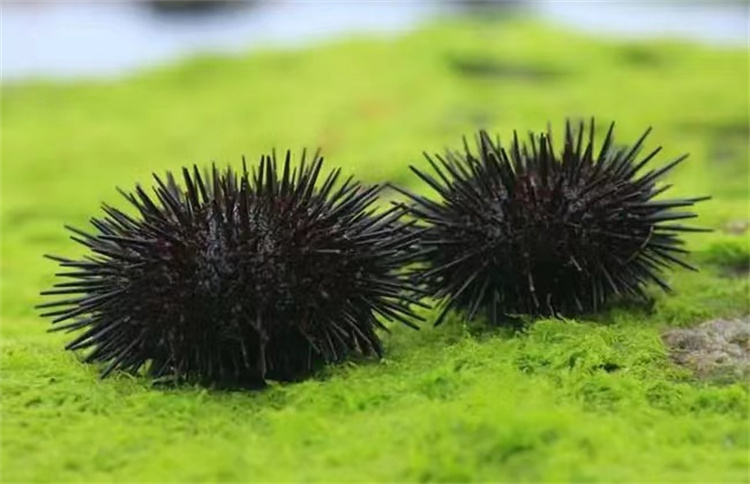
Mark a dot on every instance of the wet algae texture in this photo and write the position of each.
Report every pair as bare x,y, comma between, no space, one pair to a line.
595,399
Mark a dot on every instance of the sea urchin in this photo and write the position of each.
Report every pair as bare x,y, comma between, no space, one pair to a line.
237,277
531,231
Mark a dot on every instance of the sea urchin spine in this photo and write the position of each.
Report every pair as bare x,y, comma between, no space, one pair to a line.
531,231
237,277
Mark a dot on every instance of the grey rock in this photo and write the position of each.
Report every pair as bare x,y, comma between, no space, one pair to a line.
720,347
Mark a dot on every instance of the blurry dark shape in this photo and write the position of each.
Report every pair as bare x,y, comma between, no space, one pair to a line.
723,152
717,128
728,141
492,9
609,367
730,255
478,67
642,56
191,7
533,230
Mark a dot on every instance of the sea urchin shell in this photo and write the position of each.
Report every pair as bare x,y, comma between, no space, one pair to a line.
237,277
531,231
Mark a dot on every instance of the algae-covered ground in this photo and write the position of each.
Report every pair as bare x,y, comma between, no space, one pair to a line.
596,399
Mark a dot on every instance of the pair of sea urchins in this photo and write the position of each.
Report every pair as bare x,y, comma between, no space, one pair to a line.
244,277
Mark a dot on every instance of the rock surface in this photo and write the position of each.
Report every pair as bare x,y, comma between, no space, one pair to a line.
714,348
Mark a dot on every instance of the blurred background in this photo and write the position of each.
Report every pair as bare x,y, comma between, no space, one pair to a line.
98,94
113,90
69,39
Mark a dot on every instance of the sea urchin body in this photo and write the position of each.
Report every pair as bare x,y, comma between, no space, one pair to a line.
532,231
237,277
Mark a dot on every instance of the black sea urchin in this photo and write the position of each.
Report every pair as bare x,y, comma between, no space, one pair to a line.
530,231
237,277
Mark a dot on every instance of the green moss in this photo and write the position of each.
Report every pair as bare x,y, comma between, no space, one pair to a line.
589,400
732,255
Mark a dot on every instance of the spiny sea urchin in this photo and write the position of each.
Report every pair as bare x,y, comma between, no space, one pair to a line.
530,231
237,278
